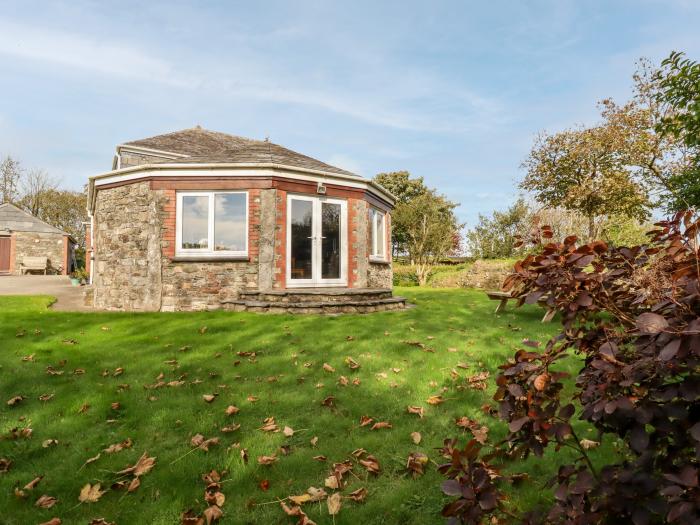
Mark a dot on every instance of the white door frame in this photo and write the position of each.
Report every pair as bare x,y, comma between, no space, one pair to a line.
316,257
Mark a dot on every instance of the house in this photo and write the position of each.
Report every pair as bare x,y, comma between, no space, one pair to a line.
24,236
197,219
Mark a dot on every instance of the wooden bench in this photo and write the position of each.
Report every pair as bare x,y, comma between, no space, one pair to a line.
504,297
34,263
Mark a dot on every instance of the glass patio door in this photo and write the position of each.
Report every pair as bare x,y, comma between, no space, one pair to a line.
316,241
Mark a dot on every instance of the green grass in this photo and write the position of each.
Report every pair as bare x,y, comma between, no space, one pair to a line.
162,421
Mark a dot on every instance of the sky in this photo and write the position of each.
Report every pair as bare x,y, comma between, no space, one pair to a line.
452,91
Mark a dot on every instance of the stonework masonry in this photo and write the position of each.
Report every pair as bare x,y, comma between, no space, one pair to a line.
135,268
34,244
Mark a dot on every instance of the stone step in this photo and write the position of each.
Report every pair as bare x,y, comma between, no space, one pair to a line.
317,307
317,295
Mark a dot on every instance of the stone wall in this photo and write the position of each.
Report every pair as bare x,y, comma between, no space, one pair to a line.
33,244
358,217
379,275
127,272
128,159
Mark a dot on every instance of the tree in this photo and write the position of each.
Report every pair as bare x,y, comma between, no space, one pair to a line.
630,321
35,185
494,237
404,188
65,210
585,170
431,228
679,88
10,175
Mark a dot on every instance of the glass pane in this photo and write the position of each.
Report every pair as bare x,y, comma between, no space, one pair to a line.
380,235
195,222
229,222
330,245
301,241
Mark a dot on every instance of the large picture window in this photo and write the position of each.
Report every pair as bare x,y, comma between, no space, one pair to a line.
378,231
212,223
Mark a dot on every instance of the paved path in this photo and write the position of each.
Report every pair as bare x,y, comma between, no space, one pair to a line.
69,298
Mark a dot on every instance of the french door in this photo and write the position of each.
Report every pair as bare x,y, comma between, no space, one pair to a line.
316,241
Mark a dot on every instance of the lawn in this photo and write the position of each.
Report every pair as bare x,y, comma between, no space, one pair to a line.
267,366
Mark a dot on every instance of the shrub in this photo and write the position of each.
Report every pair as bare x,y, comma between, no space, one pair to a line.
633,314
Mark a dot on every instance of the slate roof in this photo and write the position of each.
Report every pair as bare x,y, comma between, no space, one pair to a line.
14,219
204,146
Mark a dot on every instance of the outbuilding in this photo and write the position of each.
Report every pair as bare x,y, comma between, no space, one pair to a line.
28,244
197,219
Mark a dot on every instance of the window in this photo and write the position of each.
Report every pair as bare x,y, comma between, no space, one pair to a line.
212,224
378,231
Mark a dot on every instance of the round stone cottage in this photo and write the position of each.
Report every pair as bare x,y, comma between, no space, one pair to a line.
199,220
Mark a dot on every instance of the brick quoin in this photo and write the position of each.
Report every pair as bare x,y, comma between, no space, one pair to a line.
280,277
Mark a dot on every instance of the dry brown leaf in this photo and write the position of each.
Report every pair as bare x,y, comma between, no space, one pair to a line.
334,503
313,441
332,482
365,420
352,364
416,437
33,483
90,493
300,500
212,514
288,431
92,459
416,463
328,368
381,424
419,411
118,447
267,460
141,467
540,382
199,441
320,458
343,381
358,495
356,381
244,455
232,410
49,443
209,397
46,397
435,400
5,465
269,425
52,521
135,483
252,399
15,400
371,464
316,494
231,428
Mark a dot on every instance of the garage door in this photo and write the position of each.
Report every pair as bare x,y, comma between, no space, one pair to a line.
4,254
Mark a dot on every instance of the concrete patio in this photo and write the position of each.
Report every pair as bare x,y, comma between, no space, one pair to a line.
69,298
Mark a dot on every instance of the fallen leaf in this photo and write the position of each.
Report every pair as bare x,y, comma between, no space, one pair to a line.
416,437
365,420
141,467
46,397
15,400
351,363
252,399
232,410
269,425
135,484
90,493
33,483
118,447
52,521
49,443
267,460
343,381
320,458
419,411
371,464
313,441
328,368
209,397
288,431
212,514
332,482
199,441
264,485
381,424
231,428
416,463
92,459
435,400
5,465
328,402
588,444
28,358
540,382
358,495
334,503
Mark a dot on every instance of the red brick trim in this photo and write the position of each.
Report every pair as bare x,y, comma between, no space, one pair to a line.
280,272
169,223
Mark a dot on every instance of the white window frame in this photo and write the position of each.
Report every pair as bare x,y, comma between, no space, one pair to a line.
208,252
376,215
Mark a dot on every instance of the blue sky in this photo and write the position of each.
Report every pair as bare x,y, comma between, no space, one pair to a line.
451,91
